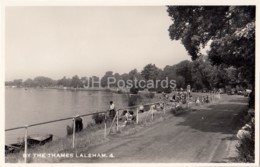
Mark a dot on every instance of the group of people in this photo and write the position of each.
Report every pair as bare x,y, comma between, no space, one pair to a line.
204,99
185,96
181,96
127,115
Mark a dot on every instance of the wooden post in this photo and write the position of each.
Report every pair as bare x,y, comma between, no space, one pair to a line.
114,119
137,117
105,129
164,108
152,113
74,131
26,143
117,113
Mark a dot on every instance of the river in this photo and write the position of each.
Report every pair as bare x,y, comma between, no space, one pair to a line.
29,106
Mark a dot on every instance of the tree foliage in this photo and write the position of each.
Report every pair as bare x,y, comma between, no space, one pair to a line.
230,29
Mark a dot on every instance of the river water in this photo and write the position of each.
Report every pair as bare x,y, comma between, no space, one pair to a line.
29,106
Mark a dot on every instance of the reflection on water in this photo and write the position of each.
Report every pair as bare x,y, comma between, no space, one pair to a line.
23,107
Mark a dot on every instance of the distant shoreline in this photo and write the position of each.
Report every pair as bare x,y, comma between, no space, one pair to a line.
116,90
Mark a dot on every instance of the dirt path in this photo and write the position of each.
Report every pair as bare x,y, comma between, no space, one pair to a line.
204,135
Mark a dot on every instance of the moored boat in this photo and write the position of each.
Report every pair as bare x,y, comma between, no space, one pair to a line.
31,141
12,148
39,140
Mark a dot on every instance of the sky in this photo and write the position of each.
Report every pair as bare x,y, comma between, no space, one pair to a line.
87,41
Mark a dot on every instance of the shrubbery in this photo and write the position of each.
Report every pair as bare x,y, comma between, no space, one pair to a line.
133,90
98,118
246,142
251,101
150,95
177,111
133,100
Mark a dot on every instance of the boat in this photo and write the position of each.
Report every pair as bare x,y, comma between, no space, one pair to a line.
31,142
12,148
39,139
9,149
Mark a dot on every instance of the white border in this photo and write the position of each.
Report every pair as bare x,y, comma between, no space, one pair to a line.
6,3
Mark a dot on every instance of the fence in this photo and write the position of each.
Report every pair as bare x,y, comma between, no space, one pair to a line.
26,127
149,109
191,101
152,108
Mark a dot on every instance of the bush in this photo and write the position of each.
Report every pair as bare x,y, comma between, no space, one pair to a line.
133,90
150,95
133,100
246,150
98,118
177,111
167,90
252,99
246,147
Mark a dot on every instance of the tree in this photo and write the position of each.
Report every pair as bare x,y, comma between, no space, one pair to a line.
64,82
135,76
170,72
180,81
230,29
184,69
151,72
76,82
94,82
28,83
42,81
84,81
104,79
18,82
202,74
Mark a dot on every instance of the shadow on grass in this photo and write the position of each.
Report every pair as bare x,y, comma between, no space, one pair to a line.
223,118
227,160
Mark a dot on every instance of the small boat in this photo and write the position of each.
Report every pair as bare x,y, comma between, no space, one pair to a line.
11,148
39,140
31,141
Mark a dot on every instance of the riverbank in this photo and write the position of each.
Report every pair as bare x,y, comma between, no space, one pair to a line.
115,90
89,137
205,134
93,136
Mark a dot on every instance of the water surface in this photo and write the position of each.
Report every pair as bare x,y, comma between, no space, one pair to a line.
29,106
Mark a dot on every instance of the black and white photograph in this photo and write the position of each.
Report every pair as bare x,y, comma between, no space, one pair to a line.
153,84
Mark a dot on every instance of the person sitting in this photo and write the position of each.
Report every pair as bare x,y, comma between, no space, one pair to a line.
141,108
197,101
152,109
124,112
207,99
161,106
129,117
173,98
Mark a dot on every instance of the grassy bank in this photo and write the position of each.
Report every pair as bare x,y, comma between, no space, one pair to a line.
93,135
87,138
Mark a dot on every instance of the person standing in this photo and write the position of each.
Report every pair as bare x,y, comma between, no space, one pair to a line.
78,123
112,111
